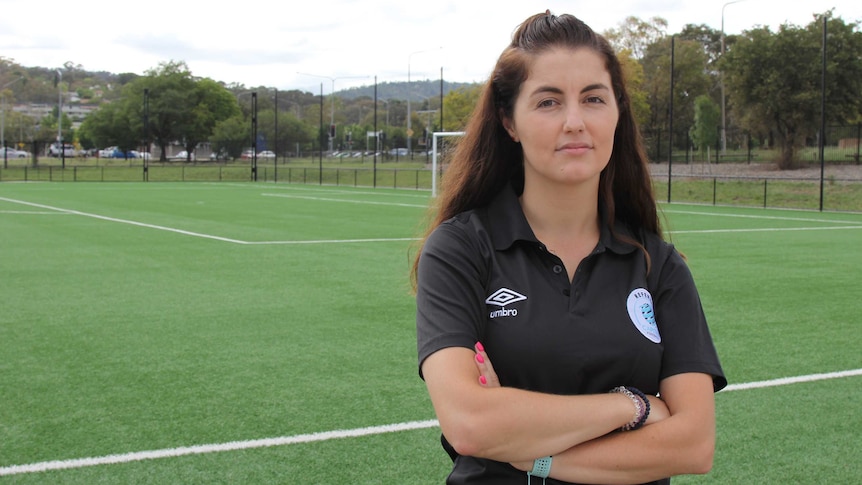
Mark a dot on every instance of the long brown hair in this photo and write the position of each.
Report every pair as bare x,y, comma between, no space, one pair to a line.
486,159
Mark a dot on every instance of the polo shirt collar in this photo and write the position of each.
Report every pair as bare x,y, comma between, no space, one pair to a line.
507,224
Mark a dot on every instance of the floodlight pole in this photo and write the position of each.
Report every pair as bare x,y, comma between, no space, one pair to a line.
377,137
823,113
409,85
332,100
60,119
721,81
254,136
670,122
3,118
146,134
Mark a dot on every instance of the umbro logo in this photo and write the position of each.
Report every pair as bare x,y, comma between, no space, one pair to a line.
502,298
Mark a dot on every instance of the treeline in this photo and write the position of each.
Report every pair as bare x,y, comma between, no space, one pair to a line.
759,88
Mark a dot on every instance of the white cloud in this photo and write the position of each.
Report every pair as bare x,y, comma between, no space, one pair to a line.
257,42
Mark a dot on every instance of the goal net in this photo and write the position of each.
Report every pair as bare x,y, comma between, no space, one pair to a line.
435,152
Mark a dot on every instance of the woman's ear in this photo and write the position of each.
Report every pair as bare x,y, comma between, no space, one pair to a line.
510,128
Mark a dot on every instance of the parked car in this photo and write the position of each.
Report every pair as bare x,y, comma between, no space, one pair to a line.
220,155
9,152
117,153
247,155
182,156
266,154
68,150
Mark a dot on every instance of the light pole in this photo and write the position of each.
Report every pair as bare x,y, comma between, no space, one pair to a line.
146,134
721,78
409,128
60,119
332,100
253,107
3,117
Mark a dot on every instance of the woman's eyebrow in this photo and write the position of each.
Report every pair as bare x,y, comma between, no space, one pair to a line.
555,90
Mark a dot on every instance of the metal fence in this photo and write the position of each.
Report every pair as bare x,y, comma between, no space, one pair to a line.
835,191
842,144
400,178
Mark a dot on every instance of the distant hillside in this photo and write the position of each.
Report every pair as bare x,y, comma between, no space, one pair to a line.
400,90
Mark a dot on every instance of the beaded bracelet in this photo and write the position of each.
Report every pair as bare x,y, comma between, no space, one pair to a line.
643,398
641,403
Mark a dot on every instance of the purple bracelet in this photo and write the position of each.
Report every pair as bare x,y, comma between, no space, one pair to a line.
641,403
637,392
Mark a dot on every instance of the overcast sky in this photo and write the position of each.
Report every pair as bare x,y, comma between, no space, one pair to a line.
299,44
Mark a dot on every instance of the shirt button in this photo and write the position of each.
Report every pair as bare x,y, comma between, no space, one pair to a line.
558,269
566,292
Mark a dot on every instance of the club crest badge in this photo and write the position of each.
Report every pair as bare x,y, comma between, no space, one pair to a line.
641,311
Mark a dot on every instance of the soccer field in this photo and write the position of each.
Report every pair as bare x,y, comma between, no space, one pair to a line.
260,333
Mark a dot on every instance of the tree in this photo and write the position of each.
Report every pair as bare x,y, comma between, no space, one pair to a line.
691,79
111,125
707,113
207,104
634,74
636,35
458,105
231,136
774,80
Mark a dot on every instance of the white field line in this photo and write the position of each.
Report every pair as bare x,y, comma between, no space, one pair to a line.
36,213
331,241
762,229
337,241
328,199
326,435
326,189
125,221
751,216
197,234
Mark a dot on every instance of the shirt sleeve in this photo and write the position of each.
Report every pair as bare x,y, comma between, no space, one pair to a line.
679,313
449,301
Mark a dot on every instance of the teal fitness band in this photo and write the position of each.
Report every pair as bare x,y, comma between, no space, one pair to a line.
541,467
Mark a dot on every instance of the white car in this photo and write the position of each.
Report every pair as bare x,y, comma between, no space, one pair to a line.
9,152
137,154
182,156
68,150
266,154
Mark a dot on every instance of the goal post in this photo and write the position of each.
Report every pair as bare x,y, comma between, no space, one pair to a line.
434,153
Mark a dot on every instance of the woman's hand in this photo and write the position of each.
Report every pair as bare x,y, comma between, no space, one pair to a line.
487,376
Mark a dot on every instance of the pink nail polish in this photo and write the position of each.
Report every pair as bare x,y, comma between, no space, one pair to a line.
480,347
480,359
483,380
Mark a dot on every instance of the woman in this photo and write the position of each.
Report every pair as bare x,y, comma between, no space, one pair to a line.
546,258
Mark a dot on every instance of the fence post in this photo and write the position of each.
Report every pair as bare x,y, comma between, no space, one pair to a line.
714,189
764,192
858,140
748,145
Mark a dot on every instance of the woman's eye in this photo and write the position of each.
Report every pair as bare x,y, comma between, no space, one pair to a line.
546,103
595,99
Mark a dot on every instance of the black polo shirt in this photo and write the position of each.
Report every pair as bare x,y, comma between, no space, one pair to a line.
483,276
